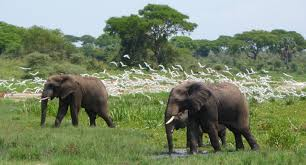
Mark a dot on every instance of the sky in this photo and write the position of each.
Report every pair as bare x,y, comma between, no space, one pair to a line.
214,17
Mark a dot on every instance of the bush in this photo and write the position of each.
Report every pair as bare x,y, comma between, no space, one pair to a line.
294,67
67,68
77,58
277,64
218,67
36,60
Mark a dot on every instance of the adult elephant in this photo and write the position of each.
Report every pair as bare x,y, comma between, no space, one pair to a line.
180,121
76,92
209,105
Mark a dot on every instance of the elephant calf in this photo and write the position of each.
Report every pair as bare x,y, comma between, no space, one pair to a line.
209,105
181,121
76,92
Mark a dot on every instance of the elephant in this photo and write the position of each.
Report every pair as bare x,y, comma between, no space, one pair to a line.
181,121
209,105
76,92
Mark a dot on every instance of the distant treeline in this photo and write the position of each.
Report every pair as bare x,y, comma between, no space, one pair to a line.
154,35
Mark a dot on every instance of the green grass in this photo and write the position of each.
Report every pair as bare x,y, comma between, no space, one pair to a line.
279,127
9,68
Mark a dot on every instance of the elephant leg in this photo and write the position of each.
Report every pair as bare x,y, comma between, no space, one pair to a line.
74,111
200,138
92,117
62,110
238,141
188,138
106,118
194,134
250,138
213,136
222,136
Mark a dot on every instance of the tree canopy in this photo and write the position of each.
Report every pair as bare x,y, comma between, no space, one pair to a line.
150,29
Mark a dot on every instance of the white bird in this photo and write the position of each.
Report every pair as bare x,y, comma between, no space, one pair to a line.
192,73
227,68
180,66
250,72
201,66
24,68
127,56
148,66
174,68
163,68
104,71
34,74
122,64
287,75
113,62
140,67
226,71
264,71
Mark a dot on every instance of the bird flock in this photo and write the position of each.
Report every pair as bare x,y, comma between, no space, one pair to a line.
144,79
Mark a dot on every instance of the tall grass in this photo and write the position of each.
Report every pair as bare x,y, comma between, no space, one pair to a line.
139,137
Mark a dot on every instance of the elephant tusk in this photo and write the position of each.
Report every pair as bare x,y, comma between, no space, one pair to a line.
45,98
170,120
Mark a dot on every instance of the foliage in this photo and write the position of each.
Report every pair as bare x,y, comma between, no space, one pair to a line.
36,59
132,32
151,29
87,39
43,40
164,22
10,38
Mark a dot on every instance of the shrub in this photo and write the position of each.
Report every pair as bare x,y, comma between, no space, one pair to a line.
218,67
77,58
294,67
36,60
67,68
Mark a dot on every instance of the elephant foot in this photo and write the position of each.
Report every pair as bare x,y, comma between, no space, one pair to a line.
255,147
193,152
201,145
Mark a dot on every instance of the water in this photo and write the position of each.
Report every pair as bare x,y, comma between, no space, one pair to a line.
177,153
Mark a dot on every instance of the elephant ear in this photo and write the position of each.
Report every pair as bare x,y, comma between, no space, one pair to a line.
68,86
198,96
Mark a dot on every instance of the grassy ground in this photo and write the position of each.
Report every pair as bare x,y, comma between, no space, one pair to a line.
279,126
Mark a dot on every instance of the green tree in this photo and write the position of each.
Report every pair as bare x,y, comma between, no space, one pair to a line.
183,42
256,41
203,47
110,44
164,22
229,45
11,38
45,41
132,32
106,40
72,38
288,42
87,39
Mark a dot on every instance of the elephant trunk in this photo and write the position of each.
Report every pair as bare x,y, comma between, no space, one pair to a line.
169,131
170,115
44,102
43,112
